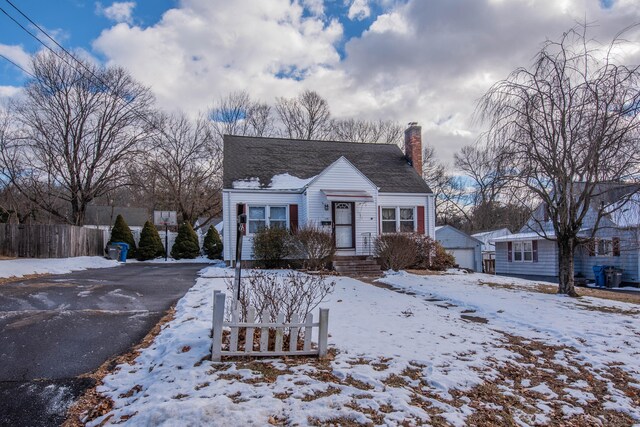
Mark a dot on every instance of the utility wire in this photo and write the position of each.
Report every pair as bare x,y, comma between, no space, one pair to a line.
82,64
17,65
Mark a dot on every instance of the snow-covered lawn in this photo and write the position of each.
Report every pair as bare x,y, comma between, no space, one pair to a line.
450,349
25,266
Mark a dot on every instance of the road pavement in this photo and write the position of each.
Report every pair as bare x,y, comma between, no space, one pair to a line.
54,329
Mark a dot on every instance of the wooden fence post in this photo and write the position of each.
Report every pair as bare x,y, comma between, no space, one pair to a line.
323,332
218,319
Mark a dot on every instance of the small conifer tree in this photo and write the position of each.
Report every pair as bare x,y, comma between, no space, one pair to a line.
186,244
122,233
212,244
150,245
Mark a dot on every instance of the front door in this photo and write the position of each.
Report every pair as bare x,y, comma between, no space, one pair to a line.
344,225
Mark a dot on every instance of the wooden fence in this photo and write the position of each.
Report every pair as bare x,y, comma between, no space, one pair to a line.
265,348
50,241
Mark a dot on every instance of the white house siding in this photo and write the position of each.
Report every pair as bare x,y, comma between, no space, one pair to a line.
627,261
231,198
407,199
547,265
467,250
344,176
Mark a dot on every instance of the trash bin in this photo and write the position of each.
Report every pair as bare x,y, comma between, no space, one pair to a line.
598,272
113,251
617,279
124,248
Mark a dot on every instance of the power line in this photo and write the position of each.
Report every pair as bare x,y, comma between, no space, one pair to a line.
82,64
17,65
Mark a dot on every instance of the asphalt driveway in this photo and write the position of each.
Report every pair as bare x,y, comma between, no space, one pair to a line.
56,328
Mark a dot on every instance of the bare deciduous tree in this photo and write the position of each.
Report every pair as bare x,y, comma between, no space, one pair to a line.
564,126
237,114
353,130
79,129
182,169
306,116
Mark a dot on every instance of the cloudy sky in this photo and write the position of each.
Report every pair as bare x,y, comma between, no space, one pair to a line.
405,60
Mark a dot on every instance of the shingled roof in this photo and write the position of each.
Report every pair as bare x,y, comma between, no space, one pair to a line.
255,157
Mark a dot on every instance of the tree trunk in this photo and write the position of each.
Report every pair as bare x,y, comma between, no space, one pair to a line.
566,266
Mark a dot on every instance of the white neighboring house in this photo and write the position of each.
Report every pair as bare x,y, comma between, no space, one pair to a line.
488,245
354,190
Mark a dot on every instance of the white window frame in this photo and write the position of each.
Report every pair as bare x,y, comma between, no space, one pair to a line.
608,243
398,220
267,214
521,251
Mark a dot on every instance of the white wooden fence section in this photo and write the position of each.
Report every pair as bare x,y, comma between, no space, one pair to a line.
264,325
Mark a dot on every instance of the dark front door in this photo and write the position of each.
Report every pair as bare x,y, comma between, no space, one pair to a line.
344,232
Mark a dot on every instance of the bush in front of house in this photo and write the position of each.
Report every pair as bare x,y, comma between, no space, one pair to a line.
186,244
431,255
396,251
272,246
293,293
150,245
212,244
315,247
122,233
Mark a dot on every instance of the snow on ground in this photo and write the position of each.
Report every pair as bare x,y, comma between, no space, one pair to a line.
439,348
23,266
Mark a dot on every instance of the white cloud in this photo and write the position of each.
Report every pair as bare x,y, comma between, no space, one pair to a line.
118,11
420,61
7,92
17,54
359,10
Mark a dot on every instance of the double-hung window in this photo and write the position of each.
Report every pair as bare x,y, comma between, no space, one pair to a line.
266,216
523,251
398,219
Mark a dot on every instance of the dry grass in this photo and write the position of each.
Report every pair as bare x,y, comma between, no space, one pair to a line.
5,280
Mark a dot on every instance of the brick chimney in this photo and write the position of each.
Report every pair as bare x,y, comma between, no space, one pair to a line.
413,146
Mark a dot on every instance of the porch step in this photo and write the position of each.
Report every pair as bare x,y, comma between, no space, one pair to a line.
356,266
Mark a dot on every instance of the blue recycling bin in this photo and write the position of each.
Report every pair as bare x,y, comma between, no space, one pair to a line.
598,272
124,248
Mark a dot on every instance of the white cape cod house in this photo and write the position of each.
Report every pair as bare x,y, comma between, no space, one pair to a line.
354,190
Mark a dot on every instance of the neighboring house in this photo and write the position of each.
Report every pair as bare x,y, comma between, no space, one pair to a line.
467,250
353,190
617,241
103,218
488,247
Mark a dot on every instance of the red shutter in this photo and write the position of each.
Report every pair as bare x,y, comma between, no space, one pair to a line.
616,246
509,251
293,218
534,247
379,220
420,219
591,245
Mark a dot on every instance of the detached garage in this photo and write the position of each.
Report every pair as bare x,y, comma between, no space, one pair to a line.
466,249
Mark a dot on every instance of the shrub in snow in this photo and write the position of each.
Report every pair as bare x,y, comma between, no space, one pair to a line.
150,245
122,233
212,244
396,251
431,255
315,247
293,293
186,244
271,246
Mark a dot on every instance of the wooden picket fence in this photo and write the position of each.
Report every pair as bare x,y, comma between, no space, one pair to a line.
265,349
49,241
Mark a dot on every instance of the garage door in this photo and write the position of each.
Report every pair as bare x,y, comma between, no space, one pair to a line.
464,258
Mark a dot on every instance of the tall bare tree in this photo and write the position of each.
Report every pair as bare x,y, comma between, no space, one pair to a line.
563,126
237,114
306,116
80,126
182,169
354,130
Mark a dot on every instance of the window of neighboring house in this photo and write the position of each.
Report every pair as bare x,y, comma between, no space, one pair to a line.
266,216
604,247
523,251
402,219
